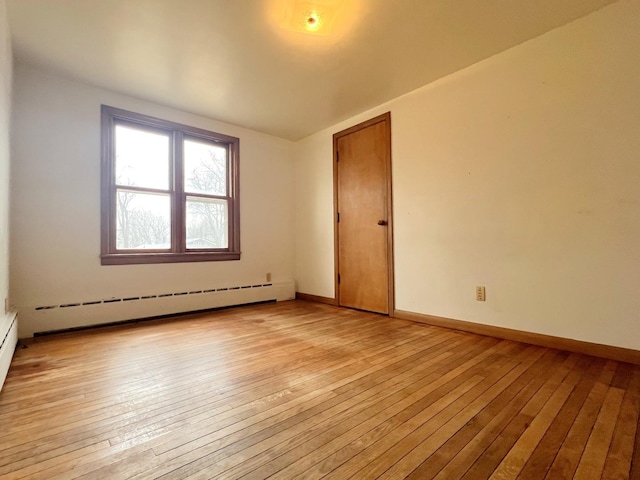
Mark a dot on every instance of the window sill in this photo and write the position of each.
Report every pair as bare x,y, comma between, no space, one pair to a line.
142,258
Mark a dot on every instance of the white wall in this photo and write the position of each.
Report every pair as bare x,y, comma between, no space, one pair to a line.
56,204
314,215
520,173
7,333
5,113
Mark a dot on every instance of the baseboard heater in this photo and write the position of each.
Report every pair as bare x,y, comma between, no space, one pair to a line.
7,348
42,319
145,319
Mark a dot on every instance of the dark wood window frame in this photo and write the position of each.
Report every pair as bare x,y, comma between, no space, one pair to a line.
110,255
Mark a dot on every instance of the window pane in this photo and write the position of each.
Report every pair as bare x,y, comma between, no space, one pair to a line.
207,223
143,221
205,168
142,158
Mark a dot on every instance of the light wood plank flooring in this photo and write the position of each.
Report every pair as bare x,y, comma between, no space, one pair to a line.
304,390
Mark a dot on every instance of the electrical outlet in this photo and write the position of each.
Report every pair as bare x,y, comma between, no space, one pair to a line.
269,277
481,294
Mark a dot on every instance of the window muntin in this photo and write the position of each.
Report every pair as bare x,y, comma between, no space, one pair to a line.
170,192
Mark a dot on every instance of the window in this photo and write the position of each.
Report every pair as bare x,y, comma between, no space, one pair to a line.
170,193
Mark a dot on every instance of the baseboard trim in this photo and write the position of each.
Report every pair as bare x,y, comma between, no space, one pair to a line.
316,298
587,348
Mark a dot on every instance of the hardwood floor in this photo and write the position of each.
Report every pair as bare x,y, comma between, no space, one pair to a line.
304,390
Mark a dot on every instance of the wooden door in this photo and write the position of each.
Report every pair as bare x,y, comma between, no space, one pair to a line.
362,176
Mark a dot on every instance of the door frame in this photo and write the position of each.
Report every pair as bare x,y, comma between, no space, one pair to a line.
385,117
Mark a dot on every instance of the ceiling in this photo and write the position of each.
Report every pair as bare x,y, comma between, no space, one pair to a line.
231,59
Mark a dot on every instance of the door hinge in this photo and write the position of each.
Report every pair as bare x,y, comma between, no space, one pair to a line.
337,156
338,217
338,278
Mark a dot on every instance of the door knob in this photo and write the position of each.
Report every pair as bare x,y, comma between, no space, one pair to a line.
382,222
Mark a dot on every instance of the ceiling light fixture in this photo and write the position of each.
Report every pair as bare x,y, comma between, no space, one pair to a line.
313,21
311,16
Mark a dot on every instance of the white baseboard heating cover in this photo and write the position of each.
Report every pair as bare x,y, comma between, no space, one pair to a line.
8,341
46,318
